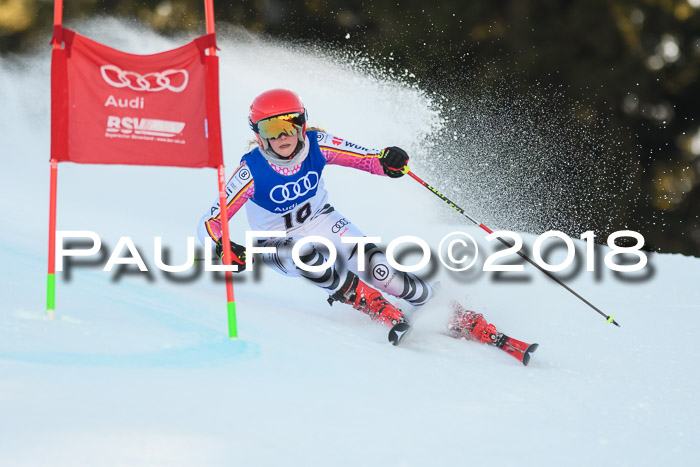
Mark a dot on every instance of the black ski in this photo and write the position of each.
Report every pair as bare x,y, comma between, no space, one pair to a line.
398,332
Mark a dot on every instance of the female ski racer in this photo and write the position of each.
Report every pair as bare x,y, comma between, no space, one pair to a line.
281,184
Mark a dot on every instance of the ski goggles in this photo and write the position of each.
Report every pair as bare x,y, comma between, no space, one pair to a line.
273,127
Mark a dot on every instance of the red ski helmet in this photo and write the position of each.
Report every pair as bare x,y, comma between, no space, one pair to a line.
282,103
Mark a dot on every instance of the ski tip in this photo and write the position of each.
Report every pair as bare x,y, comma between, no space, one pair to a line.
397,332
611,319
526,355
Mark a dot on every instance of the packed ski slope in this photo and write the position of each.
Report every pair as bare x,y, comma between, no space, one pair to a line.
137,368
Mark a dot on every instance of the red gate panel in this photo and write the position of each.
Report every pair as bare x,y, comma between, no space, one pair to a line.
111,107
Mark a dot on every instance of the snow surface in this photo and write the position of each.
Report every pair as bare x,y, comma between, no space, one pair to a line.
137,368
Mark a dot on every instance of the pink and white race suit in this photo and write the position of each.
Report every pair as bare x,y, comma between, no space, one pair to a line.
292,198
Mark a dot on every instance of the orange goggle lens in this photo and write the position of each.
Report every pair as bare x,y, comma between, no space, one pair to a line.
274,127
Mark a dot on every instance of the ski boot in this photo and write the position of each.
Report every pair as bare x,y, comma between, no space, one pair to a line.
364,298
472,326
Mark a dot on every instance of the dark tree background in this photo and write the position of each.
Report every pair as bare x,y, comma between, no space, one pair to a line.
636,63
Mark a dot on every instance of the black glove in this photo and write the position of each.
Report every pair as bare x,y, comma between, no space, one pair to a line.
394,161
238,254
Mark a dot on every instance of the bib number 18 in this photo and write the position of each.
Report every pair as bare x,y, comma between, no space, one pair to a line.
297,217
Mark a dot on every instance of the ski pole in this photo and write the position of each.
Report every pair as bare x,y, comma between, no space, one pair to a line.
522,255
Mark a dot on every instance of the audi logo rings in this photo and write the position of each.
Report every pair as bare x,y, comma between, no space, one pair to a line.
339,225
293,190
152,82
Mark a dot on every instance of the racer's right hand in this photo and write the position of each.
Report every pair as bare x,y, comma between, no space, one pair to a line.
238,254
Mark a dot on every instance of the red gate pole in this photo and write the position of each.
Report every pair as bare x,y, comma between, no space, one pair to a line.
51,276
223,207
